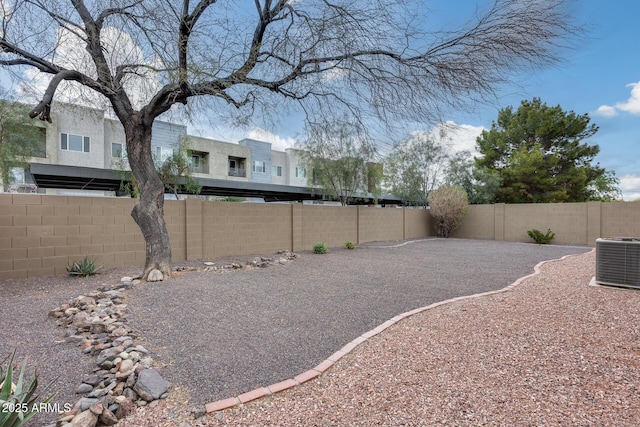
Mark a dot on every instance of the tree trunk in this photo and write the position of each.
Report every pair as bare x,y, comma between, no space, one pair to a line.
149,211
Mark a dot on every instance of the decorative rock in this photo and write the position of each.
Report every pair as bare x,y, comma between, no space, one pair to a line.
125,408
131,380
130,394
83,388
97,408
85,403
150,385
141,349
155,275
107,418
85,419
108,355
91,379
118,332
146,362
126,368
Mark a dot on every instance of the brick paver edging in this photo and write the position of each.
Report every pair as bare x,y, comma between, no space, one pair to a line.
258,393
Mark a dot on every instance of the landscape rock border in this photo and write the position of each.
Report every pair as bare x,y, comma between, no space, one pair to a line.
124,376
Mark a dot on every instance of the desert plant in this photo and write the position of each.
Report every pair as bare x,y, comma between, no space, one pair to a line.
86,267
541,238
447,205
19,401
320,248
350,245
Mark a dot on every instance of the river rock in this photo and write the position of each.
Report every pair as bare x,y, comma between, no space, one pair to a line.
150,385
85,419
155,275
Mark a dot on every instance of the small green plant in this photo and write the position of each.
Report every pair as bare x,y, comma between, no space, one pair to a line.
20,400
350,245
320,248
540,238
86,267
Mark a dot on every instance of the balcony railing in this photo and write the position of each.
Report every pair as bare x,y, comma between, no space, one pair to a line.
238,172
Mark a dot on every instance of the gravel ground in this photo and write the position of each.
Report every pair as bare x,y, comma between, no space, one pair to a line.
218,335
554,351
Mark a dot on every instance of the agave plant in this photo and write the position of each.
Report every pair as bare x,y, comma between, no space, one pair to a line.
19,401
86,267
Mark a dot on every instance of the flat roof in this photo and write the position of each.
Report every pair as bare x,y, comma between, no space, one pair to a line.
84,178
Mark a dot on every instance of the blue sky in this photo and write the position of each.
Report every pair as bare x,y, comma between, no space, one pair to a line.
597,78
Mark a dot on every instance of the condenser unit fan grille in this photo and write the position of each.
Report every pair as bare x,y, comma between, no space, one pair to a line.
618,262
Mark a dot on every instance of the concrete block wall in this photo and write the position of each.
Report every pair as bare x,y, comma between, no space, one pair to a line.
243,228
479,223
567,220
417,223
620,219
378,224
572,223
43,234
332,225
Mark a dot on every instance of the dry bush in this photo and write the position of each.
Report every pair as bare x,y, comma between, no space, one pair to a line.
448,206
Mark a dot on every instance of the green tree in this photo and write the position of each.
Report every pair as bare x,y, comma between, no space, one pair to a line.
20,139
175,171
338,153
539,155
479,184
415,167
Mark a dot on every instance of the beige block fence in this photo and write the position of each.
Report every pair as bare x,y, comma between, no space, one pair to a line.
41,234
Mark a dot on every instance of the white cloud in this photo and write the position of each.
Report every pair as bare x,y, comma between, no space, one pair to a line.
630,186
606,111
457,137
631,105
277,142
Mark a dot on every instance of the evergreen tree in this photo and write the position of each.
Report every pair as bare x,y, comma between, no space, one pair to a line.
539,155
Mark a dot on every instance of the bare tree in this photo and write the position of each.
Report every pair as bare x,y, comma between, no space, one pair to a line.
338,155
371,57
416,167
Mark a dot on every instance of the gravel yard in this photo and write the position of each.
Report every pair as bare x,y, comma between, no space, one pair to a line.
552,351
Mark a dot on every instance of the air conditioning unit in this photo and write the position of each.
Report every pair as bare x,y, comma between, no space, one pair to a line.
618,262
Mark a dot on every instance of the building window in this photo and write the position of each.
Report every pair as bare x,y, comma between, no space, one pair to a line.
259,166
195,161
21,181
118,150
70,142
276,170
301,172
198,162
163,153
236,167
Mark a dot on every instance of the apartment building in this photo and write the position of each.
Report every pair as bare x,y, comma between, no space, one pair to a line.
83,149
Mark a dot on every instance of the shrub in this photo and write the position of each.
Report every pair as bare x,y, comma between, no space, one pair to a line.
320,248
19,400
447,205
350,245
540,238
84,268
